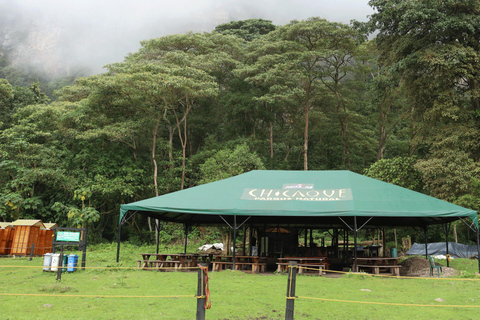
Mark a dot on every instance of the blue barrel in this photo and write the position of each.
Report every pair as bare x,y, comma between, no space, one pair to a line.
72,262
47,261
393,252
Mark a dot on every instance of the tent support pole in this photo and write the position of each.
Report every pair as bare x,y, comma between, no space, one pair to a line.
234,239
478,248
305,240
311,242
355,243
118,241
186,238
426,242
446,228
250,236
157,233
244,240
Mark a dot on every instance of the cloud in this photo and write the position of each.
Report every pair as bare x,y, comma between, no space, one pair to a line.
97,32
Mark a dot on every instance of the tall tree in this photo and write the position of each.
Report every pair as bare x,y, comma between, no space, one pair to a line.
299,61
434,46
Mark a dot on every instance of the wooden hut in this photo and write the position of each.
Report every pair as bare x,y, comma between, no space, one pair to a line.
45,239
6,237
26,234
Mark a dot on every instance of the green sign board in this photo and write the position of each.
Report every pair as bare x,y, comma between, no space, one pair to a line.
68,236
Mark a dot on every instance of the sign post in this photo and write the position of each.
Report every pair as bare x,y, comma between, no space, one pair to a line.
71,237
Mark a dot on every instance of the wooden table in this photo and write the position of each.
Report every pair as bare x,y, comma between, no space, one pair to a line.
254,263
374,264
320,263
171,260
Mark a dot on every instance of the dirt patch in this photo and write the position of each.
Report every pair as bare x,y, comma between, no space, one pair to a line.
420,267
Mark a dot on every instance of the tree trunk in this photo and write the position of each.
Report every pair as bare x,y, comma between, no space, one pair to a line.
395,234
271,140
455,232
305,145
155,174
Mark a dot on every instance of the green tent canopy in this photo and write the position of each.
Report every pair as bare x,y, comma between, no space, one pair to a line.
300,198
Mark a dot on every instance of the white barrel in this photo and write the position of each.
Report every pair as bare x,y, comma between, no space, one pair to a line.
55,259
47,261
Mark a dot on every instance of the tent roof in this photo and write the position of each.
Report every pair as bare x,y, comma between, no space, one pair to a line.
300,198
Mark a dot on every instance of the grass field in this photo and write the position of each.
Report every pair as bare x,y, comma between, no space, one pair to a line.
119,292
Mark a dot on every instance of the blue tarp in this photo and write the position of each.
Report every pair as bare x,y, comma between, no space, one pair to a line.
456,250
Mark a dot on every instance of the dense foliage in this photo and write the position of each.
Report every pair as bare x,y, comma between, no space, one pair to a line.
192,108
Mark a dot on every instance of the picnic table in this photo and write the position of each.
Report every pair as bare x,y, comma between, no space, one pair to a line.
254,263
377,264
304,263
171,260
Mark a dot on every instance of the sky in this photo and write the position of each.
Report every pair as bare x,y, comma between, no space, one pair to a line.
98,32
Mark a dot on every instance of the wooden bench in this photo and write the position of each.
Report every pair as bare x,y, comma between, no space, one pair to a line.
281,267
168,264
394,269
221,265
321,267
142,264
256,267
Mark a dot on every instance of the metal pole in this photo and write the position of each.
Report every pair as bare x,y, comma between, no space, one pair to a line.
426,242
60,262
186,239
250,236
311,242
355,267
234,239
31,251
118,241
201,293
478,249
292,279
84,254
446,228
157,233
244,240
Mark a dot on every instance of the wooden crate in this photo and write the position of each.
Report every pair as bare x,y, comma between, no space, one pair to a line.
44,242
26,233
6,238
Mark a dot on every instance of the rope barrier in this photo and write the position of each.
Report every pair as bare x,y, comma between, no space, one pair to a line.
147,268
89,295
208,301
390,276
391,303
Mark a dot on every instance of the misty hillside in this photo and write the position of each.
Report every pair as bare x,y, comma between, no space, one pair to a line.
54,42
55,38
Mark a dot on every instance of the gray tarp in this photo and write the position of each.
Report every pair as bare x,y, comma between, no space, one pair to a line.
456,250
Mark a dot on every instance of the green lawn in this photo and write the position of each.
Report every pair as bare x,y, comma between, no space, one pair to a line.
120,293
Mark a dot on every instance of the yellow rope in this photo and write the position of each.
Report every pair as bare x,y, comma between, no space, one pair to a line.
290,271
90,295
389,276
393,304
80,267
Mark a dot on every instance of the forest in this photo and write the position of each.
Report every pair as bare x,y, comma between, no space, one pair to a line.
396,98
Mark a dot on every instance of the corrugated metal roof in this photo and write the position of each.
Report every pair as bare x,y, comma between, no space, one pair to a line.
3,225
29,223
49,226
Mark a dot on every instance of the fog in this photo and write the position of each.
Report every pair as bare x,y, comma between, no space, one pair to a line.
93,33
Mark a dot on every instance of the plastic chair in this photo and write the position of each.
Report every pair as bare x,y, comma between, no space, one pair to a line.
434,266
